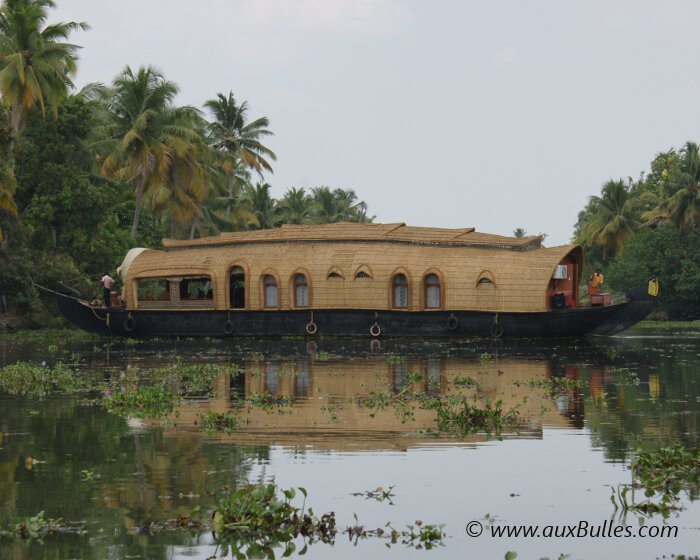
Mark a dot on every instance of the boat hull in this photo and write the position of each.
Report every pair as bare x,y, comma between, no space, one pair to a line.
604,320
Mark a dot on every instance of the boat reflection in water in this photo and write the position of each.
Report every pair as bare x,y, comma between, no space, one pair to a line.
378,401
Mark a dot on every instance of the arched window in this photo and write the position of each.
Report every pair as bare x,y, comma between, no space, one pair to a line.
486,280
270,288
399,285
236,288
334,274
301,291
431,284
363,273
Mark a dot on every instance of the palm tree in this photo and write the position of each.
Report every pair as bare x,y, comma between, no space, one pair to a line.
36,65
330,208
230,134
147,141
263,205
613,217
519,233
683,206
236,142
296,207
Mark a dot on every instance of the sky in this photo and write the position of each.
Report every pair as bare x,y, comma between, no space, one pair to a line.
447,113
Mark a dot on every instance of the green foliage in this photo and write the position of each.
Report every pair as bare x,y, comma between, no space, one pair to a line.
220,422
458,417
157,393
612,217
672,257
152,401
8,184
37,527
23,378
668,470
37,66
253,521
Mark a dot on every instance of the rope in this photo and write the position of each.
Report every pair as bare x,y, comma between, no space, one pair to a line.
54,292
69,297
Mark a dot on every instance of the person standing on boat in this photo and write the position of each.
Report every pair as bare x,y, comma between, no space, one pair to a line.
107,283
595,283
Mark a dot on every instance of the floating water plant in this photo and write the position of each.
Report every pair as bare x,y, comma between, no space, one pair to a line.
668,471
221,422
457,416
663,474
37,527
152,401
253,521
37,380
380,494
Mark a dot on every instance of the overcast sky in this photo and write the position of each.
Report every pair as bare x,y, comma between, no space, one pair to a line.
493,114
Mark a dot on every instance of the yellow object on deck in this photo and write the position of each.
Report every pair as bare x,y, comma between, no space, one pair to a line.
654,287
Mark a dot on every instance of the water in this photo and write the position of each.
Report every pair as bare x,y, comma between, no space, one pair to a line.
74,460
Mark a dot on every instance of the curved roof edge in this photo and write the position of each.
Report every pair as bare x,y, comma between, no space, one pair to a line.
349,232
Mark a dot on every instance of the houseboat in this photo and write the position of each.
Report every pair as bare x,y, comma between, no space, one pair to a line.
371,280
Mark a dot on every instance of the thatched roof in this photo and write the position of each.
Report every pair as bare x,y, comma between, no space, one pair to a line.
345,232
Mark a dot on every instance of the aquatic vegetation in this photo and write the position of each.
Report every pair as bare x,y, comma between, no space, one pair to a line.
663,474
268,401
253,521
467,381
37,380
418,535
485,358
393,359
456,416
400,402
553,384
162,389
648,507
49,336
193,379
37,527
422,535
153,401
332,411
668,471
380,494
221,422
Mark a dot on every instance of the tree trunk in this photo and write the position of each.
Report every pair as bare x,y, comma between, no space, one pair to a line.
17,115
137,211
192,232
230,197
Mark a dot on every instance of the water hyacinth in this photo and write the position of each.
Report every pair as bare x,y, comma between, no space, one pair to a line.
28,379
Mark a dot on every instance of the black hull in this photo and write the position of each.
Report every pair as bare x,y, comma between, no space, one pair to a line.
607,320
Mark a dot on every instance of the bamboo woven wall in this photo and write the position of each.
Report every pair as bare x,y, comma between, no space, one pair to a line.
521,277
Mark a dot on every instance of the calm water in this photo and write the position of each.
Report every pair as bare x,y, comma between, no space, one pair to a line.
74,460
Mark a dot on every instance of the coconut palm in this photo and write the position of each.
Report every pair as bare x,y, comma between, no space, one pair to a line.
330,207
683,205
147,141
296,207
263,205
37,65
230,134
613,217
519,233
237,143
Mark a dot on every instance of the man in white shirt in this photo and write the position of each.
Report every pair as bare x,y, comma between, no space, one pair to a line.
107,283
